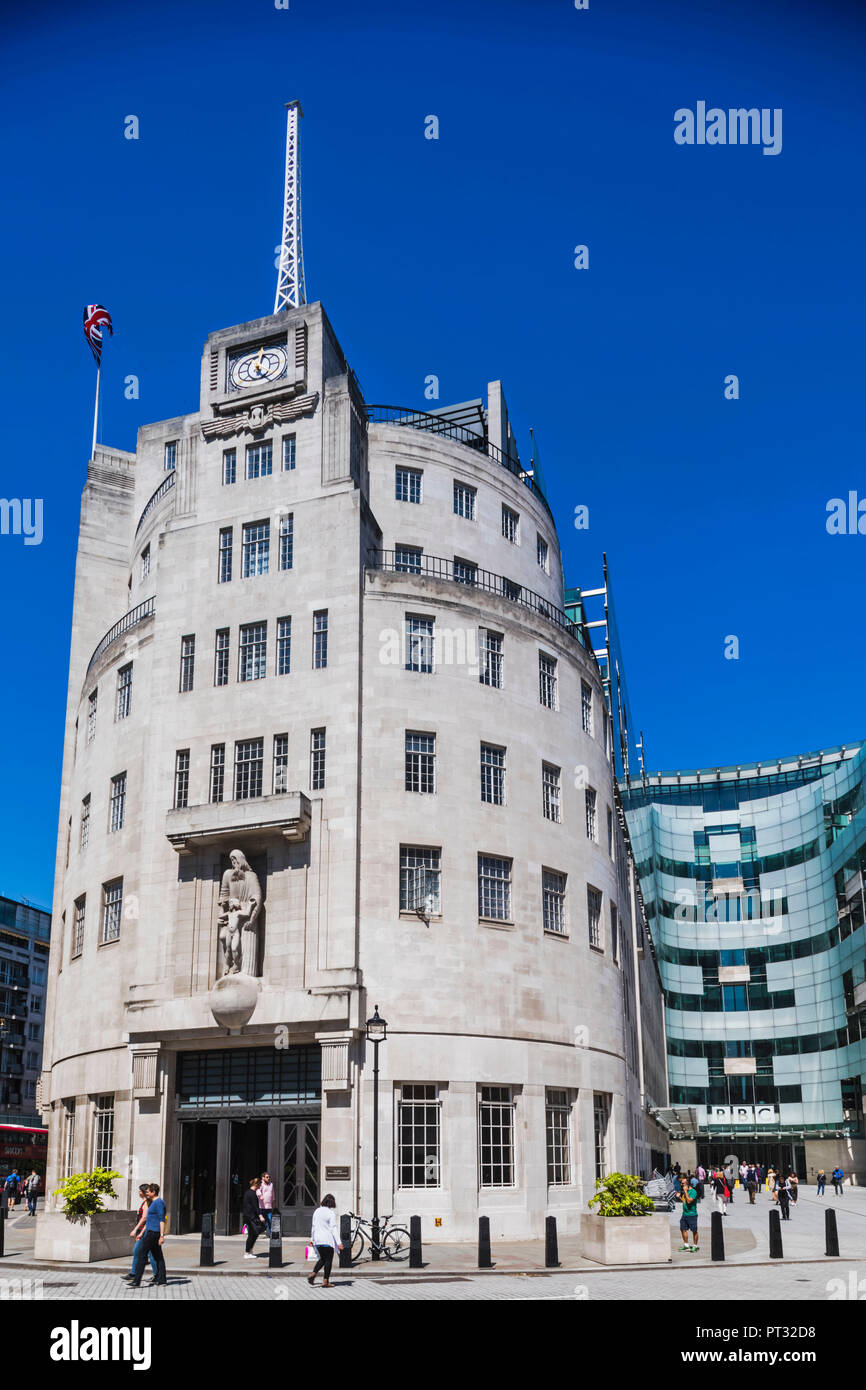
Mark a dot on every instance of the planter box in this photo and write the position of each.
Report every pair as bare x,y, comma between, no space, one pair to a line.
83,1239
626,1240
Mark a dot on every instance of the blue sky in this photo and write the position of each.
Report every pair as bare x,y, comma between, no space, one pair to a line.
455,257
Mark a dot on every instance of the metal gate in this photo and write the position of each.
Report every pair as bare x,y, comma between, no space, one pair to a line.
300,1175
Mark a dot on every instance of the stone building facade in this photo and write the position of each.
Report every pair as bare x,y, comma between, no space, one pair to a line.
329,637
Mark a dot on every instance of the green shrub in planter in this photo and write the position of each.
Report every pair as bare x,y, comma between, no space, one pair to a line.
621,1194
82,1193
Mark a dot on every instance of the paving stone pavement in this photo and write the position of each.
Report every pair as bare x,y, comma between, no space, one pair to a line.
791,1283
451,1272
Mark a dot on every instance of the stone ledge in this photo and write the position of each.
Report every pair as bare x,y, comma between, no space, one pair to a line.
288,814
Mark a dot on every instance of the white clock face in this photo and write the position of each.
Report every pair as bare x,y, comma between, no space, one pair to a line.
262,364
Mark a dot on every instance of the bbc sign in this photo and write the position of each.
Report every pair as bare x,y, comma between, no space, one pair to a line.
741,1115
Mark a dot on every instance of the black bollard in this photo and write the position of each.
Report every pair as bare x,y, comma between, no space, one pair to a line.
345,1259
775,1236
206,1252
551,1246
2,1227
275,1244
484,1260
415,1257
717,1236
831,1235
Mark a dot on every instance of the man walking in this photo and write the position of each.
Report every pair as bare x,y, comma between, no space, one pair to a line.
153,1238
137,1234
838,1178
700,1179
720,1188
751,1185
689,1218
31,1190
11,1189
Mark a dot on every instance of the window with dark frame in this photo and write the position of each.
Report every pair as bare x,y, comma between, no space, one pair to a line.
112,907
420,879
181,778
492,774
287,540
224,571
284,646
553,886
407,484
281,763
420,766
491,658
256,540
217,771
221,657
260,459
320,639
253,651
418,1136
496,1137
78,926
558,1126
187,663
317,760
123,697
494,888
249,758
117,803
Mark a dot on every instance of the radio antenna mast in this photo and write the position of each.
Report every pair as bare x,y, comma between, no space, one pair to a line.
291,291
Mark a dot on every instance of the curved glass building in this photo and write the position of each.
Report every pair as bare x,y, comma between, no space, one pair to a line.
754,887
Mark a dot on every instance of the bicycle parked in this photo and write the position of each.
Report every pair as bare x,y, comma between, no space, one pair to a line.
393,1240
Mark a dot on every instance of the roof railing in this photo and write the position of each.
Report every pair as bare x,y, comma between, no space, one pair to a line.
461,572
461,434
130,619
165,486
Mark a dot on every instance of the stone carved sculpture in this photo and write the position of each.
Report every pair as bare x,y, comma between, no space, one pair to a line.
240,903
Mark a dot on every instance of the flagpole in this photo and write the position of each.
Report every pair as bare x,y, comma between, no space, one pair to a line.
95,410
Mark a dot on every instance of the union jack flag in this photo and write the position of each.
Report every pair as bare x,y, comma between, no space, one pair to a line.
94,317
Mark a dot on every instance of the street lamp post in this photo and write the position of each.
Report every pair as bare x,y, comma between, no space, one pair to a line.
377,1031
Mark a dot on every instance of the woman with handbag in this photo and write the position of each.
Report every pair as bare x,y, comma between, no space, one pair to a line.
254,1221
326,1238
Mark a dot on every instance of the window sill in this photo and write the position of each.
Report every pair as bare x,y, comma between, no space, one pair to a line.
113,942
599,950
557,935
496,923
413,917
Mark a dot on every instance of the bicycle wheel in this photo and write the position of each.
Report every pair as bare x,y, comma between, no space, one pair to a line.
396,1243
358,1244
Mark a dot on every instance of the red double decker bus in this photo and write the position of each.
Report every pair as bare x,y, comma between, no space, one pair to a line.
23,1148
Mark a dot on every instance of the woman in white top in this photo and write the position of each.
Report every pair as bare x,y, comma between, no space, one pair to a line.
326,1238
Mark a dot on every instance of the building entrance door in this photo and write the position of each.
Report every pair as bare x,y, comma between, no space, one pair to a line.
198,1163
770,1153
248,1159
300,1175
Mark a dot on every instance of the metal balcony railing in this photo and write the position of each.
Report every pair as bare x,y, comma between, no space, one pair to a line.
435,567
461,434
135,615
167,483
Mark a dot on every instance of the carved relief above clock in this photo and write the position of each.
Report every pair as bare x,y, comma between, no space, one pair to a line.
259,417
